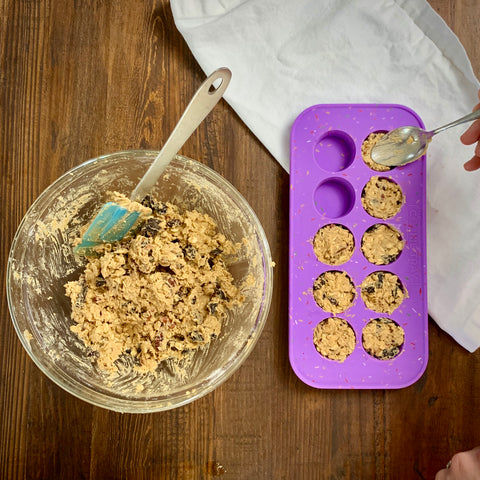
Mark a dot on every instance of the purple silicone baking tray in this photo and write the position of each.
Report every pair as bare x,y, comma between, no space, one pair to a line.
327,176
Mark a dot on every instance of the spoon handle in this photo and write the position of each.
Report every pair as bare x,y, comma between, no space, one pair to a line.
467,118
206,97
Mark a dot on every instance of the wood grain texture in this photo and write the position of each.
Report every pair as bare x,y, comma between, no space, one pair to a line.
83,78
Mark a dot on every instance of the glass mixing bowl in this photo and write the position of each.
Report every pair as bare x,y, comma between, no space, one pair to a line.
41,261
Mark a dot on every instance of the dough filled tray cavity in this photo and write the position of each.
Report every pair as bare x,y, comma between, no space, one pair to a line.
358,313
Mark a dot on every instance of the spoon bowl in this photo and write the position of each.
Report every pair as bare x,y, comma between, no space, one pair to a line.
407,144
401,146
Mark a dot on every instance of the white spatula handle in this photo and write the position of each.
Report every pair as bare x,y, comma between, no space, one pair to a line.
206,97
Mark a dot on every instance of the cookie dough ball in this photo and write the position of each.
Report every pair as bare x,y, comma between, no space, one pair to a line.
334,338
383,292
333,244
382,198
382,338
367,146
334,291
382,244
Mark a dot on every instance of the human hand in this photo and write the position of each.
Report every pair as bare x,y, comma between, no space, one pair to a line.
462,466
471,136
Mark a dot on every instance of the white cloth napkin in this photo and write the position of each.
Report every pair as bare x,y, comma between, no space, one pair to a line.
288,55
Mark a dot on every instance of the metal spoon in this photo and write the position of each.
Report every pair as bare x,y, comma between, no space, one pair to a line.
406,144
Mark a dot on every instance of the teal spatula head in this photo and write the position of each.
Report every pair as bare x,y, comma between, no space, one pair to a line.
110,225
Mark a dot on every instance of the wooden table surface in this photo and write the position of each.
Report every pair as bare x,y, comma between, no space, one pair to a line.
83,78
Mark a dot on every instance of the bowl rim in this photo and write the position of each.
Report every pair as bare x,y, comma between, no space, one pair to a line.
101,399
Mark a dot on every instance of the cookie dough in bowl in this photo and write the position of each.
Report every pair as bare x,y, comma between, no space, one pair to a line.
42,261
382,197
158,294
333,244
383,292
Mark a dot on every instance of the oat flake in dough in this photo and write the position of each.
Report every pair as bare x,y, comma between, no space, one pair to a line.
159,295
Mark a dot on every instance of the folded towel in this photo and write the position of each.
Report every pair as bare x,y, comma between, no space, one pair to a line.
286,56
